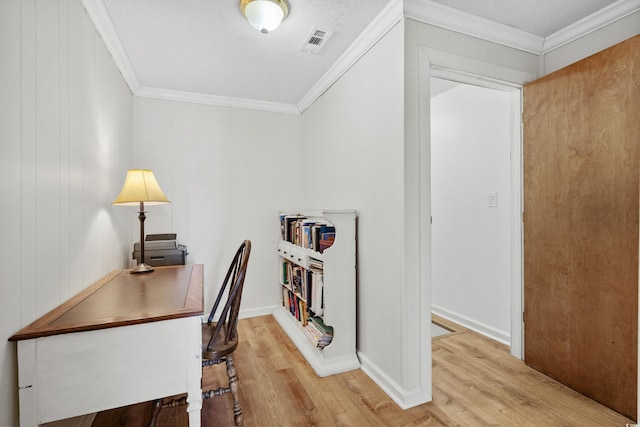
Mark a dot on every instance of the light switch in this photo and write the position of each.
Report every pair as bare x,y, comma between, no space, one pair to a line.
493,200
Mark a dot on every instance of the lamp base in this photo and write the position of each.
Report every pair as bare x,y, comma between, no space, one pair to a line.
142,268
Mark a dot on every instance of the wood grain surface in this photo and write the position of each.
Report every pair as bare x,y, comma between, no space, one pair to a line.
475,383
121,298
581,196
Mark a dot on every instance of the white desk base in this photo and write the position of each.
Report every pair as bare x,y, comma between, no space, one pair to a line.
68,375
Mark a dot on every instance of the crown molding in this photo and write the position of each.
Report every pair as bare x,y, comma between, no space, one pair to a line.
449,18
215,100
101,20
591,23
452,19
425,11
98,13
387,19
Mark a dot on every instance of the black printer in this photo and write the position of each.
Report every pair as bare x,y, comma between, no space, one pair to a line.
161,249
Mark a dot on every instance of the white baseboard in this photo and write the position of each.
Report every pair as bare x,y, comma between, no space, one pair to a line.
479,327
255,312
405,399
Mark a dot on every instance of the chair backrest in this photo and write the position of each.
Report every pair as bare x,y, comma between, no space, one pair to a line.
228,320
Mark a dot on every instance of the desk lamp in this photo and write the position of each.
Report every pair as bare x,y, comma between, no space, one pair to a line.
140,187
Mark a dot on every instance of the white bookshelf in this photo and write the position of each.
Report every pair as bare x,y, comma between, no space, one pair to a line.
339,265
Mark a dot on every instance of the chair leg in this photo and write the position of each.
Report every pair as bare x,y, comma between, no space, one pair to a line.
233,385
157,405
155,410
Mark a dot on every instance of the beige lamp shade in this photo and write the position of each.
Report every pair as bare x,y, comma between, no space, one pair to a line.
140,186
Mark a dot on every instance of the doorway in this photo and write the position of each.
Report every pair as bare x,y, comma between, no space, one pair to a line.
476,239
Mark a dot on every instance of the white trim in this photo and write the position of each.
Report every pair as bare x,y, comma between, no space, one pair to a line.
390,16
515,338
255,312
405,399
473,71
480,73
452,19
517,239
102,21
424,232
481,328
591,23
221,101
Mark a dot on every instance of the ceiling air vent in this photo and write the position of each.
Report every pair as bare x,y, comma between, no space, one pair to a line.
315,40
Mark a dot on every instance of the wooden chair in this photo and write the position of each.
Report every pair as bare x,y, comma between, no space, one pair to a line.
220,338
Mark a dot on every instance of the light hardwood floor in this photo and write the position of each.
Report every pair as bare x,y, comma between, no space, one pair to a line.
475,383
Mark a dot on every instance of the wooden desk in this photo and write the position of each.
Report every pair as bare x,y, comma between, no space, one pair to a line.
128,338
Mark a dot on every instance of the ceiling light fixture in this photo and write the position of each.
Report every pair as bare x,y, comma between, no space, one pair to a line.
264,15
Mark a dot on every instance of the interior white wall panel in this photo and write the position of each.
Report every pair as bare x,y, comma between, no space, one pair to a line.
352,149
10,194
47,150
66,132
227,172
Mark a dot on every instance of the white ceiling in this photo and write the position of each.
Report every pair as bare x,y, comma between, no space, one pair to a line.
206,51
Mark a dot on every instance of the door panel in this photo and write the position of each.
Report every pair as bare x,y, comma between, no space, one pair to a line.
581,195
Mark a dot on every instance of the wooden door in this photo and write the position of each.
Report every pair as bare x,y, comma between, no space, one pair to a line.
581,195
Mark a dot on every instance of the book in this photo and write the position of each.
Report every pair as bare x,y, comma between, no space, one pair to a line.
325,243
321,334
305,226
322,231
316,295
285,272
288,226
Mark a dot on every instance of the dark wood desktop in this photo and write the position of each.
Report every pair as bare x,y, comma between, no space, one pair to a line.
109,346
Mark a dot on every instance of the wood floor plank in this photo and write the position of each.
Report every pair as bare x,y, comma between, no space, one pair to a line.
475,383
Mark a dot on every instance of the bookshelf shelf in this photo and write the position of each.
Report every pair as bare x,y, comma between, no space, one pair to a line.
317,265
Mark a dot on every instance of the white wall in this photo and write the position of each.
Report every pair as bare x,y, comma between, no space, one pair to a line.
471,263
227,172
352,149
65,145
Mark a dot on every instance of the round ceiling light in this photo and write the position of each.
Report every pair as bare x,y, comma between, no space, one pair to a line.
264,15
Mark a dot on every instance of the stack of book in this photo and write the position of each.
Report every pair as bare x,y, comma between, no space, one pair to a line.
305,284
311,233
319,333
296,305
315,290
